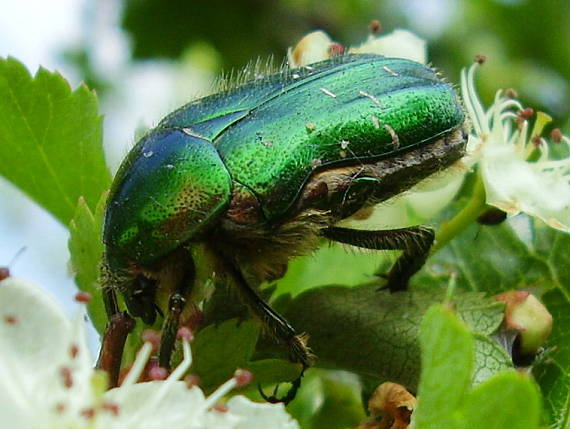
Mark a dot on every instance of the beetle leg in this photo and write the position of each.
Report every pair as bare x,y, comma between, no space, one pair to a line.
176,304
119,325
288,397
415,241
279,327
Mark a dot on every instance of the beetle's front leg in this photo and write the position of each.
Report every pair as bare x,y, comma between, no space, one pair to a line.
119,325
176,304
415,241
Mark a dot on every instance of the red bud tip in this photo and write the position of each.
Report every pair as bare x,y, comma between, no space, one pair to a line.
152,337
243,377
556,135
67,377
375,26
526,113
73,351
480,59
536,141
83,297
10,320
157,373
88,413
192,380
111,407
335,49
185,333
220,408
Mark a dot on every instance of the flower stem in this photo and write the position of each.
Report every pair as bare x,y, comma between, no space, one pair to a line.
464,218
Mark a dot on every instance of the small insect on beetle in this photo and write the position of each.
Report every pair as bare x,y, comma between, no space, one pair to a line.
259,173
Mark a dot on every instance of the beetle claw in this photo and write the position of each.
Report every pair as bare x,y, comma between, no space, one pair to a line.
285,399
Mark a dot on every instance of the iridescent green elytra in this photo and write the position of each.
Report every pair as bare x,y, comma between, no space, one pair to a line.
259,173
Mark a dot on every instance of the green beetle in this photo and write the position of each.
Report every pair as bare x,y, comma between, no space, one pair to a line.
260,173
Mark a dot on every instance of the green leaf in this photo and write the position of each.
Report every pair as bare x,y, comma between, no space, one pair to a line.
553,369
220,349
312,271
328,399
445,398
492,259
375,333
86,249
447,364
273,371
490,358
50,139
508,400
495,259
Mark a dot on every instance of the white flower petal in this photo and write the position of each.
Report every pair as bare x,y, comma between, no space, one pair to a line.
47,380
254,415
399,44
312,48
501,143
518,186
45,366
179,408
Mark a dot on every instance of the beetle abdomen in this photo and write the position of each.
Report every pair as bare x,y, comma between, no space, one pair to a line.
168,188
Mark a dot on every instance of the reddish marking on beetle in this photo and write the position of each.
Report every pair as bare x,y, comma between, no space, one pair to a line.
4,273
65,374
83,297
10,319
556,135
375,26
480,59
73,351
243,377
111,407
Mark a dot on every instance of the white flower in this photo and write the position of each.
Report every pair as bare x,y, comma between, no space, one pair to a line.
47,380
516,165
398,44
318,46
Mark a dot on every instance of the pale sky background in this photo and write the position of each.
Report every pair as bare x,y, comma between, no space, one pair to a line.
36,32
